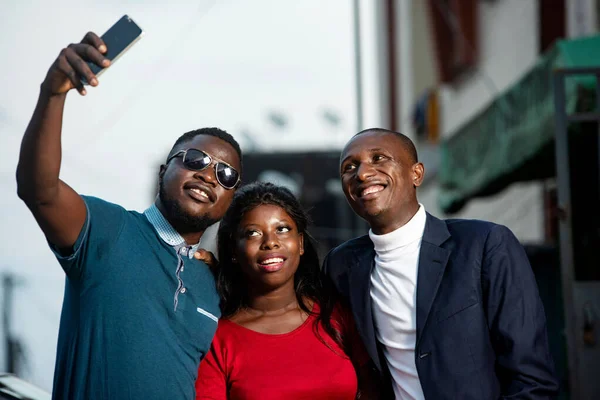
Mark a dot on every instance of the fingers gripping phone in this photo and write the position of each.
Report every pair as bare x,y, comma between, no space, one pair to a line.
118,39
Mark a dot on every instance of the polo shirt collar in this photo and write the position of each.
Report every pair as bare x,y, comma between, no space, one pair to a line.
166,231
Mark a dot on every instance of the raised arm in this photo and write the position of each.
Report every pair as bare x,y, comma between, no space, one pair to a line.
58,209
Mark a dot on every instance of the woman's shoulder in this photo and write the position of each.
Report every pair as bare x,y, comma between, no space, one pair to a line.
226,329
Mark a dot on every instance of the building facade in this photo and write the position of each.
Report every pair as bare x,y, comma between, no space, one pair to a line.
441,63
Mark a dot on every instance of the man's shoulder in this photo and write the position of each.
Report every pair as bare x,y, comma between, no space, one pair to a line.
457,226
343,258
348,248
97,205
474,232
106,218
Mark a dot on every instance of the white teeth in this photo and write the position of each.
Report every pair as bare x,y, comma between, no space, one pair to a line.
272,260
200,192
372,189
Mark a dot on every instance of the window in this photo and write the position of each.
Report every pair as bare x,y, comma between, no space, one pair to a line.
552,15
455,24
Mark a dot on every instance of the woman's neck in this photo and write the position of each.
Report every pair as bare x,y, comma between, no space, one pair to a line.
274,302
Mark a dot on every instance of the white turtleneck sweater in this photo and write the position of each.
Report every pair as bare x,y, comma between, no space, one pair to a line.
394,299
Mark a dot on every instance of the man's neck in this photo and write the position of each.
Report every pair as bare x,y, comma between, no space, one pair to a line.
385,223
190,237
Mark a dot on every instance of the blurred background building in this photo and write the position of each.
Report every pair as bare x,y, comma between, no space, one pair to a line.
470,81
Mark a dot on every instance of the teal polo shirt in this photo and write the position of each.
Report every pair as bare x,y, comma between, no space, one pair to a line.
139,312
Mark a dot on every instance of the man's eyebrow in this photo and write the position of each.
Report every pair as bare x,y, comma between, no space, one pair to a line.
370,150
378,149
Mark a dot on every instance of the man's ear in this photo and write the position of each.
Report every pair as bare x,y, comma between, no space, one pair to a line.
418,172
162,170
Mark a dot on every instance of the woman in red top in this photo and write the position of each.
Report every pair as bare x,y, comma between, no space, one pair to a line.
282,336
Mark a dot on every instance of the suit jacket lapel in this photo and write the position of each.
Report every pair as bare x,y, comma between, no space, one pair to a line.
360,298
432,263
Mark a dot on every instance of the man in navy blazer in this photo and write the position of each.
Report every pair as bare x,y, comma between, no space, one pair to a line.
447,309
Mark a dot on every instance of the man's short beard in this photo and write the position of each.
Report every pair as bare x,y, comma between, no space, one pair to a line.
177,215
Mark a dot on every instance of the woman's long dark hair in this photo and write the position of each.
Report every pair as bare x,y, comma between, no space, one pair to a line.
308,283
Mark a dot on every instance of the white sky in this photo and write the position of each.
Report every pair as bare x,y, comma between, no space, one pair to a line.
224,63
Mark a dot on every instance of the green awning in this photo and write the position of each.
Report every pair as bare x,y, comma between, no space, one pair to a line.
512,139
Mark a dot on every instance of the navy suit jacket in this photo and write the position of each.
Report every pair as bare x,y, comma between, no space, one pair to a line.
481,328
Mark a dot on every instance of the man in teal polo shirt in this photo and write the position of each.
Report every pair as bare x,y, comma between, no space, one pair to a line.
139,311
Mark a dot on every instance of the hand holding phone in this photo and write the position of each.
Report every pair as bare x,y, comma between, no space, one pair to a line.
118,39
81,63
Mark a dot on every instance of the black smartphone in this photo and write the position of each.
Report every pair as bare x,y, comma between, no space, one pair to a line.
118,39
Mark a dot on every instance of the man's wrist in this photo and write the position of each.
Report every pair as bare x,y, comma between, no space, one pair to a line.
46,93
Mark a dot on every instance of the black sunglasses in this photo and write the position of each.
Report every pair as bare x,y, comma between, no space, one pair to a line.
198,160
